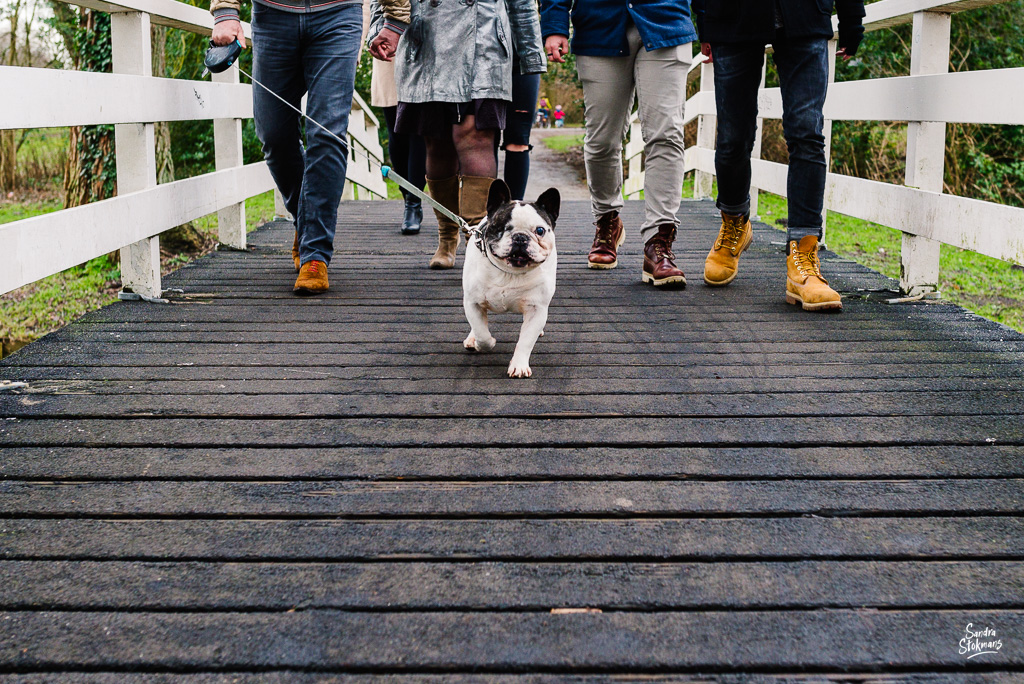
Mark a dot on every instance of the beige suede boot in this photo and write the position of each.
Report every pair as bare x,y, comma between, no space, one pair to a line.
804,283
445,192
473,198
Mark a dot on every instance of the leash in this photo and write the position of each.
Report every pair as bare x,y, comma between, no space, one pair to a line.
220,57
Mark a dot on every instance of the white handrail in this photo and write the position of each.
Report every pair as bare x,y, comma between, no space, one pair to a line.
133,100
927,99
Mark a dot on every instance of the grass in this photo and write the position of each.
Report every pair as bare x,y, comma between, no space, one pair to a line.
564,143
987,286
51,303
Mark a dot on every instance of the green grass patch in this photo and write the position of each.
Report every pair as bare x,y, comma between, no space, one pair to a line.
16,211
987,286
563,143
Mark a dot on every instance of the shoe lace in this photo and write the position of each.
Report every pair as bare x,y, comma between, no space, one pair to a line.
662,251
730,235
807,263
604,231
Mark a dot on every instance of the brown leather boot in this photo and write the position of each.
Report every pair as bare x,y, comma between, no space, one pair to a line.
804,283
659,262
445,192
723,262
312,278
607,239
473,198
295,252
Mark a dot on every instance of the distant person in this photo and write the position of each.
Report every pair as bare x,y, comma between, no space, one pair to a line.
734,33
544,112
408,152
301,49
453,69
559,116
621,49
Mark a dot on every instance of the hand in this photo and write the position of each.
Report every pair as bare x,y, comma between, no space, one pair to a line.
845,53
557,48
705,49
227,32
384,46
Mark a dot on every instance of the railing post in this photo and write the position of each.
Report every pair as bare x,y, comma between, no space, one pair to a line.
827,133
755,153
706,129
135,150
926,152
227,143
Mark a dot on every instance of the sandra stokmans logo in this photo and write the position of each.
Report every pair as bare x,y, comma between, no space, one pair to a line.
979,641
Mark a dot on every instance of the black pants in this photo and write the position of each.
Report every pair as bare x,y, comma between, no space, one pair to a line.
408,153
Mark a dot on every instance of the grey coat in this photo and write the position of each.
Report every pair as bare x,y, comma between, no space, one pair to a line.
461,50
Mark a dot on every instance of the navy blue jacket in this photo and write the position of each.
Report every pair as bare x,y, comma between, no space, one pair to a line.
739,21
599,26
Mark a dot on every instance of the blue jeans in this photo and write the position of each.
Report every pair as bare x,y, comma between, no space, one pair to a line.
294,54
803,75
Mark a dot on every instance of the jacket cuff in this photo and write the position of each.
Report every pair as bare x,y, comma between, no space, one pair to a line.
395,25
225,14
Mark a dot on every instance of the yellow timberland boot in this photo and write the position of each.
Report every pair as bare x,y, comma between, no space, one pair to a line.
722,264
804,283
445,192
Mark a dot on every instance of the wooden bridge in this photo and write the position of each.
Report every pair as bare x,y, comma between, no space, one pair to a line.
706,485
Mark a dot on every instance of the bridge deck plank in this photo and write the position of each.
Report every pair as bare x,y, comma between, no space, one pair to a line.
245,486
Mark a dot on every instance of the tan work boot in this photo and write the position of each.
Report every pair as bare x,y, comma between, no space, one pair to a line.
473,198
312,278
446,193
295,252
722,264
608,237
804,283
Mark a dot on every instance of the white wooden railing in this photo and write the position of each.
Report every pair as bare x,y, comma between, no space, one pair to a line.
133,99
927,100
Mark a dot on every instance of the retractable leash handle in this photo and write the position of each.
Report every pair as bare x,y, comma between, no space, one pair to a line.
220,57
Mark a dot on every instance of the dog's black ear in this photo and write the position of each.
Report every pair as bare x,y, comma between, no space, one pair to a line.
498,194
550,201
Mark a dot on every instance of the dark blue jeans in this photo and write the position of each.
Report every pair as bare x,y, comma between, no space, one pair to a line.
803,75
295,54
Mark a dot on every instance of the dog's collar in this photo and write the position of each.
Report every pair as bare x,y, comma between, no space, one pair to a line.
476,233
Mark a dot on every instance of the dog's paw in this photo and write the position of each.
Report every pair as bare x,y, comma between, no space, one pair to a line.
484,345
542,333
519,369
469,342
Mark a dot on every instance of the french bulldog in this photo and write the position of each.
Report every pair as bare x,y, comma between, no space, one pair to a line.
510,266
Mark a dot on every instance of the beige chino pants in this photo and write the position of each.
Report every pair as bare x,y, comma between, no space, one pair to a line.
658,79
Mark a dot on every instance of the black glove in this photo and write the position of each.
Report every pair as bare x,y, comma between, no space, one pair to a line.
850,37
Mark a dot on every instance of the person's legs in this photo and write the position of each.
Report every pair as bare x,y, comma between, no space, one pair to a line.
737,80
517,132
477,167
803,76
277,63
608,91
660,77
442,167
330,44
400,149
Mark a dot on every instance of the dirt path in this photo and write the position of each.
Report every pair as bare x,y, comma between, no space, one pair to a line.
549,169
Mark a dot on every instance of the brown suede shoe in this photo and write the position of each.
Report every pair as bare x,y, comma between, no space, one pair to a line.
607,239
295,252
804,283
312,278
659,262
